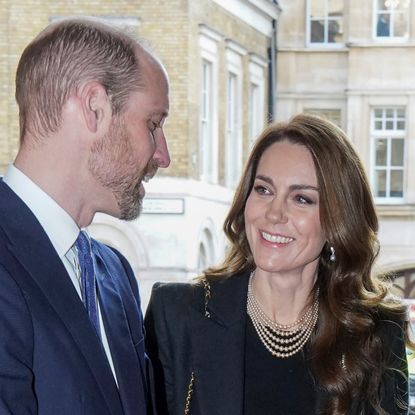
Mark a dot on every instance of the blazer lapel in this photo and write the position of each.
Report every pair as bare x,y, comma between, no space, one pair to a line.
33,249
218,348
129,370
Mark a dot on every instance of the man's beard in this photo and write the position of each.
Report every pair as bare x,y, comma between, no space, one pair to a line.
113,165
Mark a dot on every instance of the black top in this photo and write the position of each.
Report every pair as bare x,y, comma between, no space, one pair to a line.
276,386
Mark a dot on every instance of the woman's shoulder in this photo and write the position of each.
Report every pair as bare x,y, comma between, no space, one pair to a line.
198,292
176,293
391,325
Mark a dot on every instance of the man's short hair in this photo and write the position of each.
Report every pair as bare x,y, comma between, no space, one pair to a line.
63,56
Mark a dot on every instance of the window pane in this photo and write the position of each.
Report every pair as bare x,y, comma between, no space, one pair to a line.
378,113
381,152
205,155
381,5
335,31
400,27
396,183
255,110
317,8
383,25
400,112
389,125
397,152
380,184
378,125
389,113
400,125
317,31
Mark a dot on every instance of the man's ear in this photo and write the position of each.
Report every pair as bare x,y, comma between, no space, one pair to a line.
96,106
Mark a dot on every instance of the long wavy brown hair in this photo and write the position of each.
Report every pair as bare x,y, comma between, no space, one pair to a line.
352,299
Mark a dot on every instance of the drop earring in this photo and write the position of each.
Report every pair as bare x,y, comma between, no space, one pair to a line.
332,254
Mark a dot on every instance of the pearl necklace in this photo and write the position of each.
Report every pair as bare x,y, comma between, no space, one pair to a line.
281,340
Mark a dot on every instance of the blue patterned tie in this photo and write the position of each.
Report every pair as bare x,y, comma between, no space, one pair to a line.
86,264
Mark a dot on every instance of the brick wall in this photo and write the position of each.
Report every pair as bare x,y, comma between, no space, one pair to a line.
171,29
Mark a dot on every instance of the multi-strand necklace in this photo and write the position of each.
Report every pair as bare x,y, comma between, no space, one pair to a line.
282,340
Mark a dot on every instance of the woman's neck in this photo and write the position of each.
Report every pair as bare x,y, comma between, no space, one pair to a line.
283,297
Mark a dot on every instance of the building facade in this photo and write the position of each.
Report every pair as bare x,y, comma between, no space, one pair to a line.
352,62
216,54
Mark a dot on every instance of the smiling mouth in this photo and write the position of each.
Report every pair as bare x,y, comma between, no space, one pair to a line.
276,238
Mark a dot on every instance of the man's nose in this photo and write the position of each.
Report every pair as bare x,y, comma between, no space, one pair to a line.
162,155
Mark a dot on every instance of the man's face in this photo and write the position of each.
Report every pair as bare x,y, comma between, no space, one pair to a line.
134,147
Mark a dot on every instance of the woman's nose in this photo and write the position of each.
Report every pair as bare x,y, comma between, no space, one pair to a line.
277,211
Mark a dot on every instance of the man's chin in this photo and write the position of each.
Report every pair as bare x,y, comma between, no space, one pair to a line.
131,213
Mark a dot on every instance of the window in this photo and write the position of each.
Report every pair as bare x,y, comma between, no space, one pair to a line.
333,115
233,132
391,19
206,155
325,22
255,111
256,105
388,154
206,123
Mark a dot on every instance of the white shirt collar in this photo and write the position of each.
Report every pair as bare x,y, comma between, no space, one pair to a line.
56,222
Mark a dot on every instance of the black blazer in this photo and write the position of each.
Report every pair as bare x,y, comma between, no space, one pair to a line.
196,339
51,360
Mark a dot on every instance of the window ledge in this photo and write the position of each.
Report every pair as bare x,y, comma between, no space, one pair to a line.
398,211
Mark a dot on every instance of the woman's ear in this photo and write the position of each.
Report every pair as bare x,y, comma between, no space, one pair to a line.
96,106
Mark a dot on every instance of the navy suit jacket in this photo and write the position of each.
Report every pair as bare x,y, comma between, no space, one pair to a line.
51,360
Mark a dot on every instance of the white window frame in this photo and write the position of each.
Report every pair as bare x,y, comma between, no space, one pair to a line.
390,38
232,130
325,44
257,80
208,144
234,99
388,135
206,121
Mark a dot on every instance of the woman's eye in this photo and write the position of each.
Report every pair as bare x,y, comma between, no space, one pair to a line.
261,190
303,200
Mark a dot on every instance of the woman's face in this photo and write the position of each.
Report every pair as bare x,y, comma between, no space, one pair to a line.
282,220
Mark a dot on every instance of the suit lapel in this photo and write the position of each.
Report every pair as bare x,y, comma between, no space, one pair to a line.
129,370
218,345
33,249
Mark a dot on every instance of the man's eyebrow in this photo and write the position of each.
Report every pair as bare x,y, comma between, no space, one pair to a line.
162,114
292,187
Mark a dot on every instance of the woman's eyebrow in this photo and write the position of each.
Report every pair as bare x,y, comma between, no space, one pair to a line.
292,187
